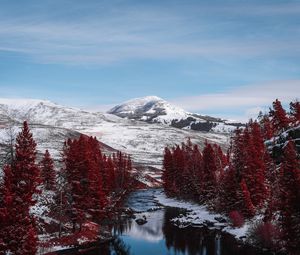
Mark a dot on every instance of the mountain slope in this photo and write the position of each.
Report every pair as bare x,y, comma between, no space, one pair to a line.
47,113
153,109
144,141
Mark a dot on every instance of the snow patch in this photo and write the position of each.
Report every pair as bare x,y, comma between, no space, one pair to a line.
199,215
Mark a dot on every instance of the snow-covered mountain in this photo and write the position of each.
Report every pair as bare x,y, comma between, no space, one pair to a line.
153,109
47,113
52,124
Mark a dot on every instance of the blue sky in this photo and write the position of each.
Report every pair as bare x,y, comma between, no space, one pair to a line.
225,58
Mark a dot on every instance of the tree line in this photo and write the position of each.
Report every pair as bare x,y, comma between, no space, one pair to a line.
246,181
83,189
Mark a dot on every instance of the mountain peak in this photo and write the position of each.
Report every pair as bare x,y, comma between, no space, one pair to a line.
154,109
149,108
141,101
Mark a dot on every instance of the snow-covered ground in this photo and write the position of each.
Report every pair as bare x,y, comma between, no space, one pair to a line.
199,215
146,142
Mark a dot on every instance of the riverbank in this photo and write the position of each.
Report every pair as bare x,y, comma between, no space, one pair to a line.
171,227
92,232
199,215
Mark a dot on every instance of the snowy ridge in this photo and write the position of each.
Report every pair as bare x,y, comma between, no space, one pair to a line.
53,123
23,104
48,113
153,109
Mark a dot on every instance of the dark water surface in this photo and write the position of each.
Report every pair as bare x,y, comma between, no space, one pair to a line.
160,236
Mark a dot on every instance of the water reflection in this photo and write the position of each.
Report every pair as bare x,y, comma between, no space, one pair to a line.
188,240
160,236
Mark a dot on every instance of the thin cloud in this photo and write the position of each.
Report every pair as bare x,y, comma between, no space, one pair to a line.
137,32
250,99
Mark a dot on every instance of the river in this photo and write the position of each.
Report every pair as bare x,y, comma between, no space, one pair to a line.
159,236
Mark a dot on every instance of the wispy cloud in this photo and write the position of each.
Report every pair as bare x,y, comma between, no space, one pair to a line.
111,34
249,99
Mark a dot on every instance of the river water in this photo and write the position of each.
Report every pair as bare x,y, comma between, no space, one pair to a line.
160,236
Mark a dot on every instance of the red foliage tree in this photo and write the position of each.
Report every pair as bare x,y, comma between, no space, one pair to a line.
82,166
290,198
47,171
249,209
209,172
267,128
228,195
237,219
255,175
20,184
295,112
178,170
196,172
279,118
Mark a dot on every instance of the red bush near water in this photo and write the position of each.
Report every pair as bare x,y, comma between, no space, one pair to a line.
237,219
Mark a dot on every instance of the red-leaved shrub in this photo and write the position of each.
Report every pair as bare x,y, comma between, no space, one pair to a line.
265,234
236,218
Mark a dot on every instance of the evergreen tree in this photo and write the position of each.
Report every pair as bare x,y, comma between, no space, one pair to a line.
209,173
178,158
279,117
20,184
229,199
82,166
295,112
47,171
290,198
255,165
248,209
196,169
267,128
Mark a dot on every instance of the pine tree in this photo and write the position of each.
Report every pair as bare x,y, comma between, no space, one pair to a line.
249,209
295,112
47,171
96,196
228,198
209,173
6,209
267,128
196,169
82,166
178,158
238,153
20,184
25,171
187,189
256,167
279,117
290,198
